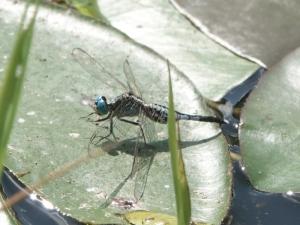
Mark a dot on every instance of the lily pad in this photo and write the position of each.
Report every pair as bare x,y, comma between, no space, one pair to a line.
49,133
254,29
269,135
159,26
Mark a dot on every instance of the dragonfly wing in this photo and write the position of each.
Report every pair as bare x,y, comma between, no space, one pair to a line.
144,165
143,152
131,81
144,155
94,68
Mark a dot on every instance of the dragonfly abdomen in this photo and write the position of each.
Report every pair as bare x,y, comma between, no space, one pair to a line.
157,113
182,116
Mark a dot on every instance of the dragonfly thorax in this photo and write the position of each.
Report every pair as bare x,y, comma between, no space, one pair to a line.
101,106
126,105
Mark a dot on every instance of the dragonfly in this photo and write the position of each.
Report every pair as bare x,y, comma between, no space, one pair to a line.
130,107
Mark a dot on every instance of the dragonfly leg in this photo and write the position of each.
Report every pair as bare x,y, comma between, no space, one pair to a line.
100,119
101,138
87,116
91,142
136,123
111,130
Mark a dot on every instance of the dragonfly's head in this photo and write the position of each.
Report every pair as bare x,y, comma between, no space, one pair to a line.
101,106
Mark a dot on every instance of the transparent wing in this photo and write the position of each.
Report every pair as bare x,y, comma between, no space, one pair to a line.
143,151
144,155
131,82
94,68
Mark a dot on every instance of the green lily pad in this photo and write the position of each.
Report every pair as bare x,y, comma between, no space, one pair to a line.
254,29
269,134
49,133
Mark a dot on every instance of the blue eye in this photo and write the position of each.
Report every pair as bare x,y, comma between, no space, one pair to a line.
101,105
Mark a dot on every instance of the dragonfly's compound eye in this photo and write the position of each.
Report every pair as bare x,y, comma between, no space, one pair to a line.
101,105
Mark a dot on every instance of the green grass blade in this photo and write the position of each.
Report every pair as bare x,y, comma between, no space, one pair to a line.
183,201
13,79
88,8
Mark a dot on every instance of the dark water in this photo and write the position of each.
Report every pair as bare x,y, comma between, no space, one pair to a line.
32,210
249,207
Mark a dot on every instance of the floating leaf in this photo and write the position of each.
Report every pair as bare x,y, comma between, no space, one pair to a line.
270,130
159,26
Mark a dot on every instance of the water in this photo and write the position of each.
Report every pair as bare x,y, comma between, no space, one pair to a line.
32,210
